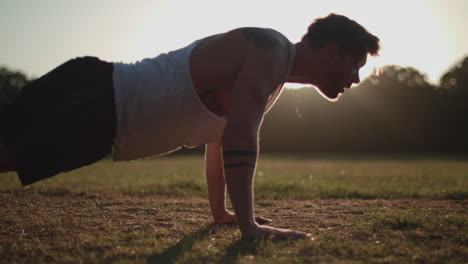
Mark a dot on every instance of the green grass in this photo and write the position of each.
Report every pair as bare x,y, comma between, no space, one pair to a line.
359,210
276,178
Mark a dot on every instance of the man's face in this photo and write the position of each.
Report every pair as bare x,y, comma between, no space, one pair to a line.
338,73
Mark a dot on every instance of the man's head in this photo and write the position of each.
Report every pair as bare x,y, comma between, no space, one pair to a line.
331,53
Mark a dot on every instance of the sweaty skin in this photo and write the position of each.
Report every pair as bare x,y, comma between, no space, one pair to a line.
244,68
328,69
214,78
234,74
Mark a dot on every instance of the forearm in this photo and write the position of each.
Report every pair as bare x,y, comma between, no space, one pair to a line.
217,195
239,167
215,180
240,187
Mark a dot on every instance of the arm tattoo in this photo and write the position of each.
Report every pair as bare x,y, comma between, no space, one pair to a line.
239,164
263,38
237,153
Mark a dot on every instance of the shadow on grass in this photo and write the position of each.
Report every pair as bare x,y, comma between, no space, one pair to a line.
241,247
172,254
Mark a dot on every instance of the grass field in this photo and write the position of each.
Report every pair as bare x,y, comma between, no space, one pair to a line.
359,210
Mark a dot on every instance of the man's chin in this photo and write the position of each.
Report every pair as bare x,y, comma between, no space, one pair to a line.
332,97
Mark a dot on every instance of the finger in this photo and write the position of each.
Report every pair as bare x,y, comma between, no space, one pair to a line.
262,220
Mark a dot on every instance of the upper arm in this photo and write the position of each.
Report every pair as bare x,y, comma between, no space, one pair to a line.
258,77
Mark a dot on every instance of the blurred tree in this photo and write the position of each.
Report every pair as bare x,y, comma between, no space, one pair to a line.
394,110
11,83
454,85
415,107
456,79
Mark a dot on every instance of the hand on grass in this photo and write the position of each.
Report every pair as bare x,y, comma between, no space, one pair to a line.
230,218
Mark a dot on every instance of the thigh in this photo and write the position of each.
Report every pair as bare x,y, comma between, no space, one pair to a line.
64,120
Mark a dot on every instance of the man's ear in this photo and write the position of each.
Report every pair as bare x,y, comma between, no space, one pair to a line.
331,52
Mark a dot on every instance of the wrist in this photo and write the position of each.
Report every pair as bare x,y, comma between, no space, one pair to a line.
248,228
220,214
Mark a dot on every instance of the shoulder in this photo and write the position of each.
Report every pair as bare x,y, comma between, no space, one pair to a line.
265,60
262,38
267,54
263,48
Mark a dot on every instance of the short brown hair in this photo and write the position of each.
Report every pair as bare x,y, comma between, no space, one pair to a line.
350,36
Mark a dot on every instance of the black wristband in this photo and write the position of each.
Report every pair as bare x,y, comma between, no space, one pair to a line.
239,164
237,153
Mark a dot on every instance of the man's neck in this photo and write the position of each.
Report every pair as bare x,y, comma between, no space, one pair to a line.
303,66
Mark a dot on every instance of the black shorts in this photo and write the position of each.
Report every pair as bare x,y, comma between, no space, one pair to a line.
61,121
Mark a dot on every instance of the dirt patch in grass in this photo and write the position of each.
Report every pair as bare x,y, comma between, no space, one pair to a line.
103,227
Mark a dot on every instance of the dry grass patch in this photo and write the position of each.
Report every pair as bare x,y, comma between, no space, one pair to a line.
107,227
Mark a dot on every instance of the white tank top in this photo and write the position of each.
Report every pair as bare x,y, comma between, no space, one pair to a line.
158,110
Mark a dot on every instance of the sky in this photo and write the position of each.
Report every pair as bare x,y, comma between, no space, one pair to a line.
38,35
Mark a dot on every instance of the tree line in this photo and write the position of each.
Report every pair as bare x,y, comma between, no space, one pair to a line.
394,110
11,83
